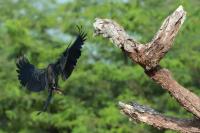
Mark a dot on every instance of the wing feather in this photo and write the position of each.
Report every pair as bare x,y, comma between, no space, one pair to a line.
29,76
69,58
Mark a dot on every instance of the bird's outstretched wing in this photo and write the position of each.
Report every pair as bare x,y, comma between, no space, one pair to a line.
68,59
29,76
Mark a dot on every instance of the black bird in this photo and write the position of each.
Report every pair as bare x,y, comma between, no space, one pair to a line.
36,80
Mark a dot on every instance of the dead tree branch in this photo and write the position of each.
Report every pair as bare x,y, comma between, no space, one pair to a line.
148,56
150,116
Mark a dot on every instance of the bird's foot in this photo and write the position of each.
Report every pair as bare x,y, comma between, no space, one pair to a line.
58,91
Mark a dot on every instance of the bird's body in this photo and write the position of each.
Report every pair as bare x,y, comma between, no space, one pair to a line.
38,79
52,76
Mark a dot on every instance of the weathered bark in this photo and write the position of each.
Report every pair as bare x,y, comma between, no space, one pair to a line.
186,98
150,116
148,56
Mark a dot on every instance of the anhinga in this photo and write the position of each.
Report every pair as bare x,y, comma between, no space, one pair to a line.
38,79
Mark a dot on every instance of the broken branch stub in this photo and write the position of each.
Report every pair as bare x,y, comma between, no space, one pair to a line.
148,115
117,35
163,40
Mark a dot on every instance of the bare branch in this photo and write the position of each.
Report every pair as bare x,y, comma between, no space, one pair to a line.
186,98
113,31
163,40
150,116
148,56
110,29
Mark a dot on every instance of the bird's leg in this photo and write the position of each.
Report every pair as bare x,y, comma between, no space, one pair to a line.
47,101
59,91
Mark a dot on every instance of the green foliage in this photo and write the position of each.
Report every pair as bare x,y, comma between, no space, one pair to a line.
42,29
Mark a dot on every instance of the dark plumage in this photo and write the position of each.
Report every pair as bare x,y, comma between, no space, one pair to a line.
38,79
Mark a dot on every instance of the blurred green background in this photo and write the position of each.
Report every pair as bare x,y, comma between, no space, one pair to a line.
41,29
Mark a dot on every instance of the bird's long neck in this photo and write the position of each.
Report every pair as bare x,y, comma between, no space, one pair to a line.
52,77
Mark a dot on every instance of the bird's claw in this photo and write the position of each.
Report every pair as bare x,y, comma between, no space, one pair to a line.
58,91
